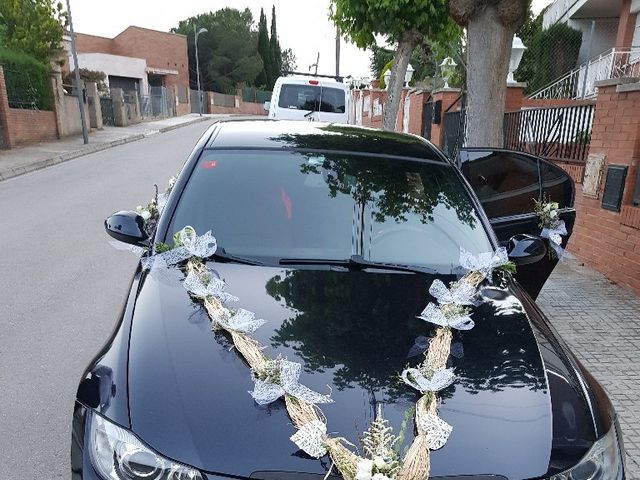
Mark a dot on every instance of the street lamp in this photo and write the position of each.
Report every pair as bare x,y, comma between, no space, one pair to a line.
409,75
196,33
447,69
517,50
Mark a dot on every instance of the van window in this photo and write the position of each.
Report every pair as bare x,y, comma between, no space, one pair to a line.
312,98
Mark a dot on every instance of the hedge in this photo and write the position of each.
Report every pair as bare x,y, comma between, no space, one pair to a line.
27,80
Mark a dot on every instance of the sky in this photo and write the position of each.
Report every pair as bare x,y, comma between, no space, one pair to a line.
303,25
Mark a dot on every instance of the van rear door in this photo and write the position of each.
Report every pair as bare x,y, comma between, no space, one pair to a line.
312,101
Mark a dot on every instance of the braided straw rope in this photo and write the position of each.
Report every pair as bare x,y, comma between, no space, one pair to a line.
416,464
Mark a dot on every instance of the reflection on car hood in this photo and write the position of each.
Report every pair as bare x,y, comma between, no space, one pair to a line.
354,332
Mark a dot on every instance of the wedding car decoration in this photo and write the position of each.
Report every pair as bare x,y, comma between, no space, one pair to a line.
276,378
553,228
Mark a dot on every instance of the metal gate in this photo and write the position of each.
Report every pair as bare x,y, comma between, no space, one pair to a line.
427,120
453,133
106,105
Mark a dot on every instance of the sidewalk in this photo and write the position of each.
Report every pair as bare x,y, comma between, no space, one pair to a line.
601,323
25,159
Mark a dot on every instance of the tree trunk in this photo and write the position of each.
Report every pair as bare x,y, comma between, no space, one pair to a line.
396,82
489,51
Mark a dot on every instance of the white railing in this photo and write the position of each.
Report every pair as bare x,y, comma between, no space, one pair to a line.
579,83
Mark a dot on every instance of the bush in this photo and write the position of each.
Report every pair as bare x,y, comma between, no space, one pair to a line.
27,80
551,53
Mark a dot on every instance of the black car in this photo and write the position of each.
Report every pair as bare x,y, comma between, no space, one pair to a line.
333,235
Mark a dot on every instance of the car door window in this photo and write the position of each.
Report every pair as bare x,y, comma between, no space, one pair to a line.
556,184
506,183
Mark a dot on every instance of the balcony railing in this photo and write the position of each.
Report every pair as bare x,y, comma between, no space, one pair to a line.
579,83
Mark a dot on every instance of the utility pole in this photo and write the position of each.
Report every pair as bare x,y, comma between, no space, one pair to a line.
315,64
337,51
79,90
196,34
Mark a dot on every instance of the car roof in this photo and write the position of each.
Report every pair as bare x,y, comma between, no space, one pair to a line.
306,136
305,80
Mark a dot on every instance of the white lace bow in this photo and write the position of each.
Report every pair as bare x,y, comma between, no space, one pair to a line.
485,262
214,287
461,293
266,392
241,320
311,438
554,234
433,314
440,379
436,429
191,245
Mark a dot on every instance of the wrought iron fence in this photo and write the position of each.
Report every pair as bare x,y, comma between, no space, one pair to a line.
25,91
156,104
560,133
579,83
252,94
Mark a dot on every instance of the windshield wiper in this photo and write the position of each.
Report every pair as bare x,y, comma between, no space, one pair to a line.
306,115
222,256
356,262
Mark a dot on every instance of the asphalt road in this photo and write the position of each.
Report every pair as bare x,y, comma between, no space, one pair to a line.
62,286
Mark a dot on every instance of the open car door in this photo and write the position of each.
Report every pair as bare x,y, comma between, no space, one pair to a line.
507,183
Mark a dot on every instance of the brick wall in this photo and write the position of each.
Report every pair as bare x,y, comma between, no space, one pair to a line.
31,126
161,50
610,241
93,44
19,126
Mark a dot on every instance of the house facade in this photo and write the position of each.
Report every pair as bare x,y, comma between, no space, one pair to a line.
610,45
148,62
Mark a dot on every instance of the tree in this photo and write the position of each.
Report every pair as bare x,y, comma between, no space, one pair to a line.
405,23
289,61
275,51
227,51
490,26
263,50
550,53
33,26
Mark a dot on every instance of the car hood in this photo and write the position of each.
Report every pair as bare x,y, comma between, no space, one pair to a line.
354,332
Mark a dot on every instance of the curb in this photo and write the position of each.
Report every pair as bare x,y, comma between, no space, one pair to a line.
66,156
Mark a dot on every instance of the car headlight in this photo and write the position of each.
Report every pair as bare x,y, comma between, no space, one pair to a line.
602,462
116,454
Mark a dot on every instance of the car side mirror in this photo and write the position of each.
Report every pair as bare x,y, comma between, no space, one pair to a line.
127,227
526,249
266,106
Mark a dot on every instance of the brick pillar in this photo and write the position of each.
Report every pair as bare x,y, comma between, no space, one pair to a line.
514,97
5,134
448,96
610,241
626,25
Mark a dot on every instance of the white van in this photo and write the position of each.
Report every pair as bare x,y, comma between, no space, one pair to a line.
310,98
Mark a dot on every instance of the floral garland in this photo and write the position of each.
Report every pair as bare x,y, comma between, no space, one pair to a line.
276,378
553,228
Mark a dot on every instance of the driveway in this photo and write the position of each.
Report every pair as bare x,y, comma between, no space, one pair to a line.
601,322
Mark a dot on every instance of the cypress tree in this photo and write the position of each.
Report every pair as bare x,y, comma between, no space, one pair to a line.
276,52
264,77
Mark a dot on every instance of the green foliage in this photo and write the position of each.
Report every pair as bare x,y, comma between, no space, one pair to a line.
263,50
361,20
27,80
288,61
33,26
228,50
275,51
550,53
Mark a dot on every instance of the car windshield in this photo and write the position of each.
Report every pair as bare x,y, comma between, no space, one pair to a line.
312,97
272,205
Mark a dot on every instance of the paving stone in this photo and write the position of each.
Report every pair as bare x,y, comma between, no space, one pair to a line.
601,323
